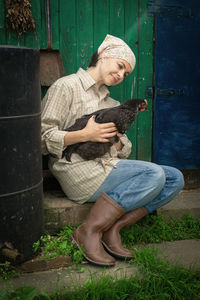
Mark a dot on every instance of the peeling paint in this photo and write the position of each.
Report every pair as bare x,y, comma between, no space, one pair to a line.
118,12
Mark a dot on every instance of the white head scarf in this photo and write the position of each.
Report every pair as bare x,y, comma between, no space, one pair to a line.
115,47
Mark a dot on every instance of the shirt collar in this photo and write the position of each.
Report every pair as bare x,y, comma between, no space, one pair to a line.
88,82
86,79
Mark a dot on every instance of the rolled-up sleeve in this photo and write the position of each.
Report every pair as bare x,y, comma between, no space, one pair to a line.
55,108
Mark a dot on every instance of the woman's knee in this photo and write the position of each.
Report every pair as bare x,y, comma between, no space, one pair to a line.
179,179
157,175
175,176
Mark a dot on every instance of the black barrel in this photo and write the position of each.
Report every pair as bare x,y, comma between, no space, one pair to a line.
21,205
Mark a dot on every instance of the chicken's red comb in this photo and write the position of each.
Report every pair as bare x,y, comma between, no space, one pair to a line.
143,107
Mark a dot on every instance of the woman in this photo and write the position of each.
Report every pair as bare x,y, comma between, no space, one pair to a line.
123,190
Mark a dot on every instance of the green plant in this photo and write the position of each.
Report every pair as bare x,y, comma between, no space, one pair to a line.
21,293
151,229
165,281
157,280
7,271
154,229
52,246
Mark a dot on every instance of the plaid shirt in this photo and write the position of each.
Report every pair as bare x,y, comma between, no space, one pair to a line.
66,100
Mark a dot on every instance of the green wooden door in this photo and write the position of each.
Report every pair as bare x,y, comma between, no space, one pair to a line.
78,28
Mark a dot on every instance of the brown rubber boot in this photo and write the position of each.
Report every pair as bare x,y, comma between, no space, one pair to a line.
111,238
102,216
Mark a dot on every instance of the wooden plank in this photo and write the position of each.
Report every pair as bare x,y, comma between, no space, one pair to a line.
55,10
32,40
101,21
145,79
84,32
131,82
68,35
43,31
54,19
2,23
117,18
131,38
117,29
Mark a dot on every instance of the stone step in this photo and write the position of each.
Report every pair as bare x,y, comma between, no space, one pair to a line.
187,202
60,211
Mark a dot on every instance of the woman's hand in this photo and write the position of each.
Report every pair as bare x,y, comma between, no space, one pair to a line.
96,132
119,144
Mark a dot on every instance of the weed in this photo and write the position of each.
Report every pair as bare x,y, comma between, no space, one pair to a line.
164,281
7,271
154,229
158,280
22,293
53,246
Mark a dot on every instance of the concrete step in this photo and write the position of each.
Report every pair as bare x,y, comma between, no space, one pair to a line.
187,202
60,211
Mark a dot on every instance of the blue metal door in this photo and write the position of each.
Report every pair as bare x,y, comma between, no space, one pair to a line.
176,139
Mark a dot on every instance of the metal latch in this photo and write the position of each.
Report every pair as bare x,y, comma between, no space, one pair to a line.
165,92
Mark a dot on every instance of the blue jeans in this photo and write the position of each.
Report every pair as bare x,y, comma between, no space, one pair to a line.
135,183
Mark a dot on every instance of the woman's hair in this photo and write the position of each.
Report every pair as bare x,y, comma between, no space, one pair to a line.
94,59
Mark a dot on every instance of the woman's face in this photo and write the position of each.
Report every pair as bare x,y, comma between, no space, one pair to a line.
113,70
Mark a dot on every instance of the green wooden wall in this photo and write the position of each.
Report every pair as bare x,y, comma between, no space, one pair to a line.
78,27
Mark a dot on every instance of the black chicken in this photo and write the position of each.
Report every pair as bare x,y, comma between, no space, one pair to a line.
123,116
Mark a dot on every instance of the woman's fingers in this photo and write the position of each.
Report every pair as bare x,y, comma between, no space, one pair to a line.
103,125
107,125
107,130
100,132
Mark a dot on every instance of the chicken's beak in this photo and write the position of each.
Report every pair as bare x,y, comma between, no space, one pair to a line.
143,106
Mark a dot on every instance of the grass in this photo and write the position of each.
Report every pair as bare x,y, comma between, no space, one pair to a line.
152,229
53,246
158,280
7,271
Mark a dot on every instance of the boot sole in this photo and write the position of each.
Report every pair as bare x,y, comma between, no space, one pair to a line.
90,260
116,254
